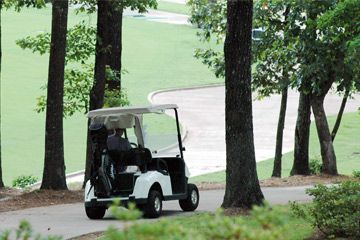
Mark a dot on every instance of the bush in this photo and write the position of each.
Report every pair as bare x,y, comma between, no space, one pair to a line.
315,166
335,210
356,173
24,181
263,223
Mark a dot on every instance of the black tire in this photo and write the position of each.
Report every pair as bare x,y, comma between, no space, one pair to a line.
95,212
153,207
192,201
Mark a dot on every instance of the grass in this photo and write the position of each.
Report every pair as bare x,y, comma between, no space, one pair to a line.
267,223
157,56
173,7
347,150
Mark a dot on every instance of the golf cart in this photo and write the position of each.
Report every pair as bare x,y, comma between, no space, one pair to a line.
148,173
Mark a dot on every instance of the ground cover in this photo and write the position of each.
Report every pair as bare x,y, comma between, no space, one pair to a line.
347,150
156,55
173,7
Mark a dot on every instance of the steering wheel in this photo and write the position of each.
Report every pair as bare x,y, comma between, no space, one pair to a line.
134,144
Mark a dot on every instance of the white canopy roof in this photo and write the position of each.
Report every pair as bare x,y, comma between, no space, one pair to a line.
156,108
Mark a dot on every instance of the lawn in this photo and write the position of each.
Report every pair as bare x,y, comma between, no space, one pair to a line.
347,149
156,55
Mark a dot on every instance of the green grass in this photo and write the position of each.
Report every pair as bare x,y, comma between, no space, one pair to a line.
157,56
173,7
347,149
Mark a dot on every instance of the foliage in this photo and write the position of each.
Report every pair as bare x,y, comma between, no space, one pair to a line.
315,165
25,232
90,6
210,17
24,181
262,223
121,213
19,4
356,173
78,81
335,209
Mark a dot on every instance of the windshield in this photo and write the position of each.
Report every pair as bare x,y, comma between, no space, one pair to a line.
160,134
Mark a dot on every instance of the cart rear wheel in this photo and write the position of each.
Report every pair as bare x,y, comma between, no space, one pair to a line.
95,212
153,207
192,201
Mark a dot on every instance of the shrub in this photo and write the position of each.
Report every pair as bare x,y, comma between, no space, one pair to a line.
263,223
315,166
356,173
335,210
24,181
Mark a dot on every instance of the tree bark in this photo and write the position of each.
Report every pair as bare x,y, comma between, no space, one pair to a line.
242,184
327,149
98,89
54,165
115,42
279,135
339,116
302,134
1,180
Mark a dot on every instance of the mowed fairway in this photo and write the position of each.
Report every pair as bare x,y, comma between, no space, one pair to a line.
157,56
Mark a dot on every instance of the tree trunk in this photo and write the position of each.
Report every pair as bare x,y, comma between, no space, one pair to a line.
98,89
280,133
302,134
1,180
54,166
339,116
115,43
327,149
242,184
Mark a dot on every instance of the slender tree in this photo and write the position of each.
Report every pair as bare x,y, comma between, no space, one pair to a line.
242,184
1,180
115,46
54,165
302,134
98,89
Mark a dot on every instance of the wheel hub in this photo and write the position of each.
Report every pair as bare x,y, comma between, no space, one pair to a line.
157,204
194,197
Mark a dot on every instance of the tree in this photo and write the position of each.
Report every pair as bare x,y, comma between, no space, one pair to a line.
54,165
1,180
108,53
302,134
242,185
275,61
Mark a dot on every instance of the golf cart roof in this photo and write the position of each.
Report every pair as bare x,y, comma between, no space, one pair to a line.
156,108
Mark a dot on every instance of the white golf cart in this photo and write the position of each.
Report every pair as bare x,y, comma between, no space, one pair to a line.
147,174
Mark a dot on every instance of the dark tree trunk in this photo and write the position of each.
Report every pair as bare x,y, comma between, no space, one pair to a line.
280,133
98,89
327,149
339,116
242,184
302,134
54,166
115,43
1,180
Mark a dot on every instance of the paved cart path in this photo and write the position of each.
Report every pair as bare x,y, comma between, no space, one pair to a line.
202,113
69,220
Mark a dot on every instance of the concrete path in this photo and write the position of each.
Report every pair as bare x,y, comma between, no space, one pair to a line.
69,220
202,112
159,16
